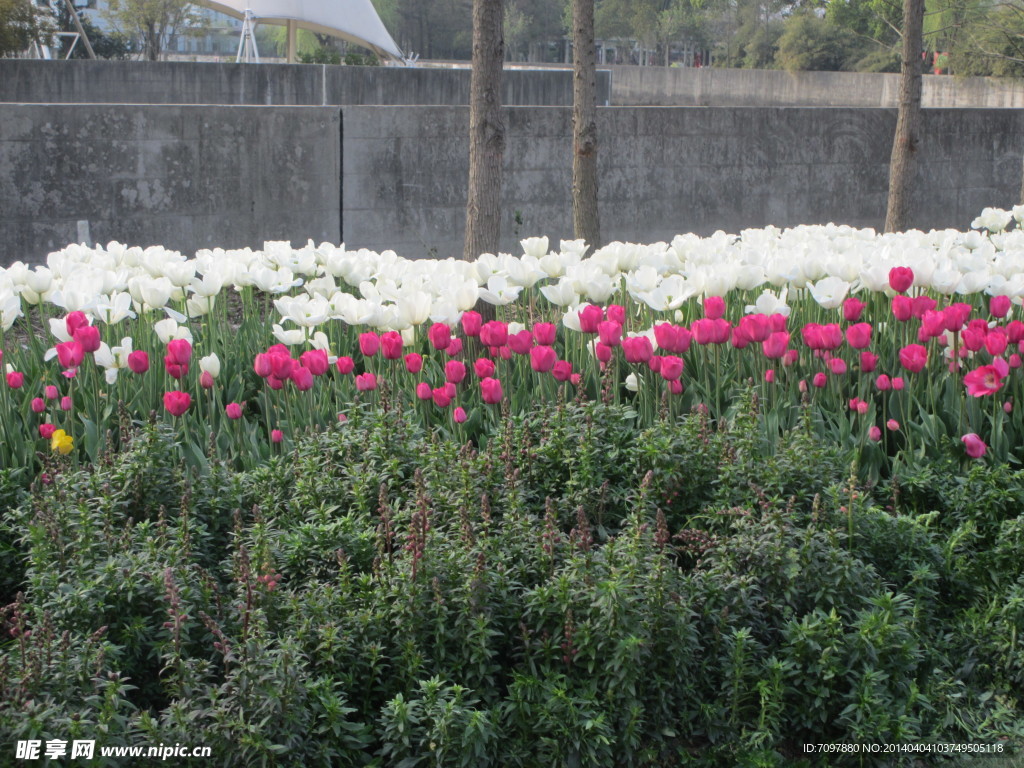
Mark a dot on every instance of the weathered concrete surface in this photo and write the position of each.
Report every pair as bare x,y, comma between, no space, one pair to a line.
709,87
664,171
166,82
193,177
184,177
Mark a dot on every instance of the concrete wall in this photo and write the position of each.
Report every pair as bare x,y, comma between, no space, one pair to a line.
184,177
194,177
143,82
666,86
669,170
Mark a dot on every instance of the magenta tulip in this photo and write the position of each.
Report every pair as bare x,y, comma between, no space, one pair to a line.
974,445
177,402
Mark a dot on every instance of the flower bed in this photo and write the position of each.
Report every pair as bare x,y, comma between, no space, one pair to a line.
900,343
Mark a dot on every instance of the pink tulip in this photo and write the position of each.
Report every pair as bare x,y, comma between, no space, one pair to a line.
671,367
999,306
366,382
369,343
274,382
868,361
714,307
542,359
602,352
590,316
70,354
774,347
302,378
914,357
46,430
177,402
637,349
179,352
15,379
675,387
233,411
755,328
51,392
459,415
883,383
423,391
345,365
982,381
1015,331
789,359
1015,361
819,380
454,371
769,376
616,313
276,436
921,304
778,322
956,315
414,362
901,278
441,397
74,321
38,405
440,336
316,360
88,336
545,334
454,348
261,365
174,370
391,345
933,324
494,334
483,367
859,336
521,342
996,341
711,331
837,366
655,363
206,380
738,338
562,370
490,391
471,322
902,308
974,445
875,433
610,332
852,309
892,425
898,383
973,338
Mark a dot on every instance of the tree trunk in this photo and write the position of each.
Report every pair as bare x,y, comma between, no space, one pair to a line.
586,223
486,131
908,120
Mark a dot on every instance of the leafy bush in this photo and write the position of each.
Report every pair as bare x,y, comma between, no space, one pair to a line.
571,592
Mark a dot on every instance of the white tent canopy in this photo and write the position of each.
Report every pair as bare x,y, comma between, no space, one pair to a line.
352,20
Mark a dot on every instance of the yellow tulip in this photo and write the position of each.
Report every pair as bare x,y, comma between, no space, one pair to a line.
62,442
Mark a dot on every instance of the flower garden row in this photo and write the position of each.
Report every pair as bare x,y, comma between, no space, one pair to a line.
895,342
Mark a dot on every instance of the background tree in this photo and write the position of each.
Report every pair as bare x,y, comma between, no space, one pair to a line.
810,42
586,222
150,21
21,24
908,120
112,46
486,131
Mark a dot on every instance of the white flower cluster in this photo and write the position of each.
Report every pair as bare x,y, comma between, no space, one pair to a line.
315,284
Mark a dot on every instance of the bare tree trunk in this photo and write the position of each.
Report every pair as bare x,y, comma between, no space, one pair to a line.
486,131
908,120
586,223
